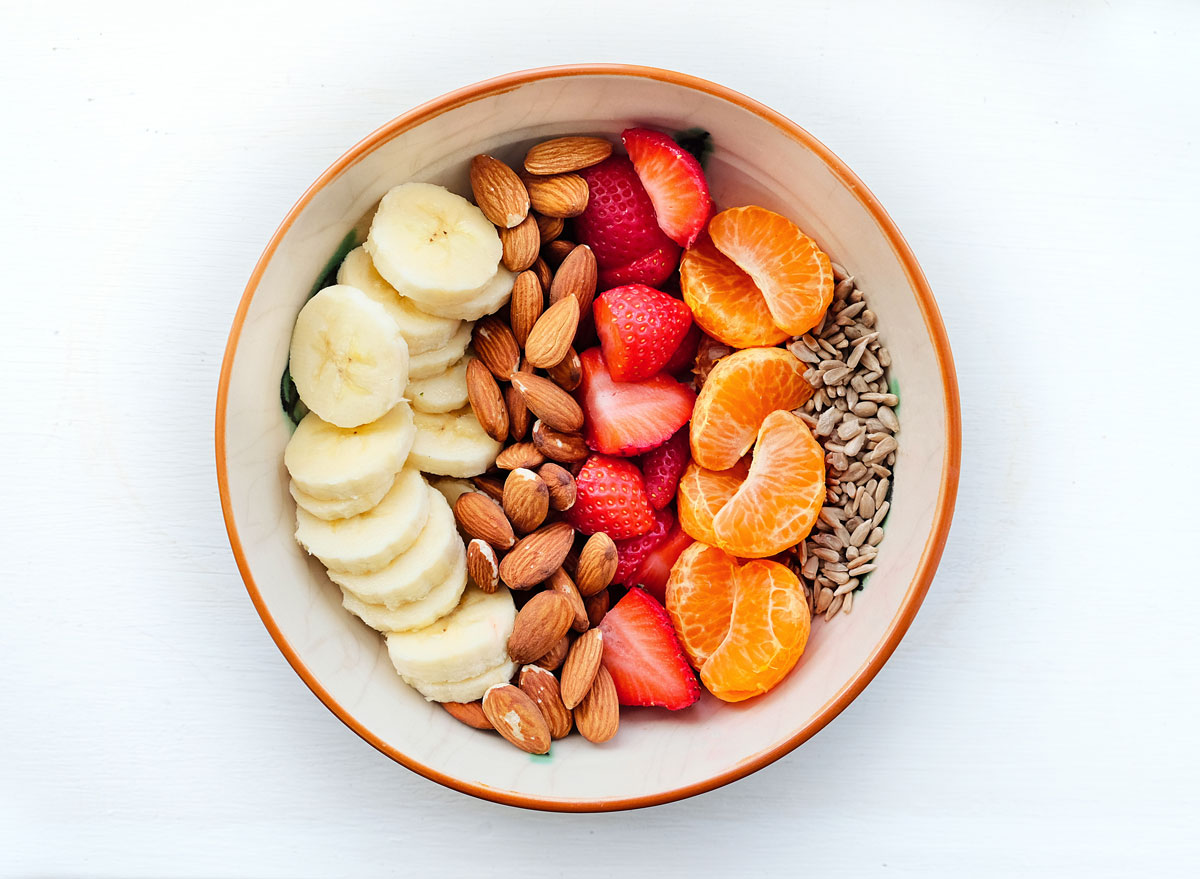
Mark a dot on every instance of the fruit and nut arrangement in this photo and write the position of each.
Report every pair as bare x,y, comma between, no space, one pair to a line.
560,443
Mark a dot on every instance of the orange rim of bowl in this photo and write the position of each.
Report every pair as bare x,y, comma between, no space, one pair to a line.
931,554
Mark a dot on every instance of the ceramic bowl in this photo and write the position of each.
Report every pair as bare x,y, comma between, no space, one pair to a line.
760,157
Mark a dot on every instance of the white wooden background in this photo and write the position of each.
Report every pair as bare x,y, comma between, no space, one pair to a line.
1039,718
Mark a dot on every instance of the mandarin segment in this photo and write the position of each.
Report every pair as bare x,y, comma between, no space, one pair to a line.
702,493
700,599
725,301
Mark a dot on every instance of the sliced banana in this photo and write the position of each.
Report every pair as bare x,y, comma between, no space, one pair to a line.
423,331
440,601
433,363
467,690
489,299
432,245
440,393
452,489
467,642
330,463
343,509
452,444
348,358
370,540
411,575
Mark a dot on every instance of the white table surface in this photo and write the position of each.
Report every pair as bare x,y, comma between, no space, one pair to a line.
1039,718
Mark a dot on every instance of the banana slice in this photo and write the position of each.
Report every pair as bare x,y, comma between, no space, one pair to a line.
467,642
452,489
468,690
423,331
412,575
434,363
432,245
338,509
330,463
452,444
440,393
370,540
348,358
489,299
440,601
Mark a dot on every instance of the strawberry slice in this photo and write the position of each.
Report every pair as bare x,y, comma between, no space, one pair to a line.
684,358
643,655
674,180
662,467
640,328
628,418
632,551
610,496
656,567
653,268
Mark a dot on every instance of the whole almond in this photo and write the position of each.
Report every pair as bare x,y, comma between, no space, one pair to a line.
597,607
557,445
519,455
543,620
497,347
563,154
542,269
470,713
598,715
498,191
518,414
542,687
560,484
568,372
482,565
551,337
576,277
486,401
549,228
597,564
480,516
526,499
554,252
579,670
549,402
489,485
535,557
560,195
560,581
555,655
517,717
520,245
525,305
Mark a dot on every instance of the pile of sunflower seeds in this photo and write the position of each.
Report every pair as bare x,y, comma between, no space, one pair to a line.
853,415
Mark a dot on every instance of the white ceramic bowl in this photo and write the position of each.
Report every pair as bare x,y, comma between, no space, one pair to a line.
760,157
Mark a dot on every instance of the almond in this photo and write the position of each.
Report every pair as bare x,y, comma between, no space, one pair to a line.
598,715
568,372
497,347
560,484
597,564
543,620
489,485
557,445
542,269
535,557
526,499
551,337
525,305
482,565
560,195
517,717
563,154
597,607
470,713
555,655
560,581
576,277
542,687
518,414
556,251
486,401
579,670
549,402
519,455
480,516
499,192
549,228
520,245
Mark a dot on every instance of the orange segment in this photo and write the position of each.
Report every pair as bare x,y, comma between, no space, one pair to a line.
702,493
737,395
767,633
778,503
791,271
700,599
724,300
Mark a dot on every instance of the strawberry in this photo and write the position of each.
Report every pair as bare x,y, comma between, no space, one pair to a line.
654,268
628,418
643,655
632,551
656,567
639,329
674,180
662,467
610,497
618,223
681,362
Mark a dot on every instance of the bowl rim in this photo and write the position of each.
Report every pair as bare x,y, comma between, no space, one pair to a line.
931,554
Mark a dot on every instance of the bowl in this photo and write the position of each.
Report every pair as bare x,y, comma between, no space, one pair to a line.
759,157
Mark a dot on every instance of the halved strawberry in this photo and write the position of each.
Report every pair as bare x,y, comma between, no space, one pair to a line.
684,358
656,567
662,467
644,656
610,496
632,551
640,328
628,418
618,222
674,180
654,268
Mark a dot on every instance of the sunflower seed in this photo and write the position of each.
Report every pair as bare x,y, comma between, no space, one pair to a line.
802,352
885,359
843,534
810,566
824,597
867,318
881,513
863,569
849,428
851,552
876,535
848,603
870,361
866,504
839,273
885,399
865,408
826,554
828,541
849,586
855,446
852,309
843,289
855,471
835,376
889,419
833,517
834,607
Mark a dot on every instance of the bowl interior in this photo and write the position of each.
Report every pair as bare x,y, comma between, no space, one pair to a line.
656,755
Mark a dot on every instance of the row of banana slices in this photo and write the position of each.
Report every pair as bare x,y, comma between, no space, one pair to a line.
380,359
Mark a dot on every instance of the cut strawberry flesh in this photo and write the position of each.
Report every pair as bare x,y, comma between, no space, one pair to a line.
656,568
632,551
673,179
628,418
644,656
